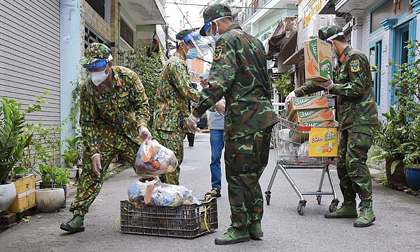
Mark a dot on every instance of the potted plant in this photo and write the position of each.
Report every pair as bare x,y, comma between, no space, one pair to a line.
71,156
51,195
389,137
412,156
13,142
399,135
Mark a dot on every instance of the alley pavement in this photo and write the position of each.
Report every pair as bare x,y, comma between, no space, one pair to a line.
397,225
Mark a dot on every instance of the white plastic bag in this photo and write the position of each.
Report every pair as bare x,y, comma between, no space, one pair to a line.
154,159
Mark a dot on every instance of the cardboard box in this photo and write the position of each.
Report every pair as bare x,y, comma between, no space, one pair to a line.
318,60
321,114
308,102
25,194
326,123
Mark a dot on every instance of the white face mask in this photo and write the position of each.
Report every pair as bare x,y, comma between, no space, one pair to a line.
99,77
217,36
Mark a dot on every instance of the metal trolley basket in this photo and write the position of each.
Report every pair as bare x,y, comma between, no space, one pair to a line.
290,141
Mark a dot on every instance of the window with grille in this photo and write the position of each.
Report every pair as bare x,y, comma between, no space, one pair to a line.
92,36
98,6
376,60
126,33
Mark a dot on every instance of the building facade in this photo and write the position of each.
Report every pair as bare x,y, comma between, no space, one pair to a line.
379,28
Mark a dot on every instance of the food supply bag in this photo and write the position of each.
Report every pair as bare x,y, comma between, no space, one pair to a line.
156,193
154,159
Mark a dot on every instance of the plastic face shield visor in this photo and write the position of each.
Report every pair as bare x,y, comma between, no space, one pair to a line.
200,43
334,36
207,26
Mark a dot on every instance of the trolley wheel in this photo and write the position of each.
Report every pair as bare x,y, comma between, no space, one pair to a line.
301,208
318,198
333,207
268,197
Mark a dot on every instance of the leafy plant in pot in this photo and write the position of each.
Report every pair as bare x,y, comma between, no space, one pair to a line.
71,156
399,136
13,142
389,137
412,155
52,193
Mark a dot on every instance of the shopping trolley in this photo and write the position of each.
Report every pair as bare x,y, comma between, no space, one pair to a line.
294,151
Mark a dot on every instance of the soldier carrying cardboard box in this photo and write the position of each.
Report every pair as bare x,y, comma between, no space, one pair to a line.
358,117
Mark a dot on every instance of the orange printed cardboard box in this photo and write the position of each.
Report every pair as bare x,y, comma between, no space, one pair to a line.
308,102
320,114
318,60
326,123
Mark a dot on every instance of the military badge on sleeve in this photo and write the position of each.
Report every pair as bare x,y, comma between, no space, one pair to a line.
355,66
217,53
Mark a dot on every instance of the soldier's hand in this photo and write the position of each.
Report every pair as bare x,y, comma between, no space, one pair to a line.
192,124
145,133
289,98
325,84
96,163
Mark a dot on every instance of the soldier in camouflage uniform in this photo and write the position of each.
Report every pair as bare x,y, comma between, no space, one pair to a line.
239,72
358,117
113,119
172,102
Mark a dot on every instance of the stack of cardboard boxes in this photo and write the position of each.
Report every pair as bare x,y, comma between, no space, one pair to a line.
309,111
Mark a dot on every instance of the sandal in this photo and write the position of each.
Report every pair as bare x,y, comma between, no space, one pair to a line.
215,192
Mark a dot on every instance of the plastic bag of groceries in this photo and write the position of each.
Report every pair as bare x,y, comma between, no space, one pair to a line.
156,193
154,159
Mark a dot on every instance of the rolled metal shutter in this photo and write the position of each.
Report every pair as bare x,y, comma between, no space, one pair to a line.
30,55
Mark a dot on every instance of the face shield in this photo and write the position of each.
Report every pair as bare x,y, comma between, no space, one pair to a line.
334,36
203,45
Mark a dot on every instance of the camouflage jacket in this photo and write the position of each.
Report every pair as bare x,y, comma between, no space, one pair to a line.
353,87
123,109
239,72
172,96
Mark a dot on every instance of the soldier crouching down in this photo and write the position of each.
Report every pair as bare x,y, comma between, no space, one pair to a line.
113,119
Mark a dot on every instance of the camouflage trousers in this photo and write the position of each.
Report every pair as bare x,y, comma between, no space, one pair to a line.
90,184
175,142
245,161
352,170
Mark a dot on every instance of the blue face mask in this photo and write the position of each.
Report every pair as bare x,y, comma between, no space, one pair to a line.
334,54
192,53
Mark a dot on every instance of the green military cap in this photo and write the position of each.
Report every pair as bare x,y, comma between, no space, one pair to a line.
96,56
330,32
180,35
213,12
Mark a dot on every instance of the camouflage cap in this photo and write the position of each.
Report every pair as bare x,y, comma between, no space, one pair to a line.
95,52
213,12
328,31
180,35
